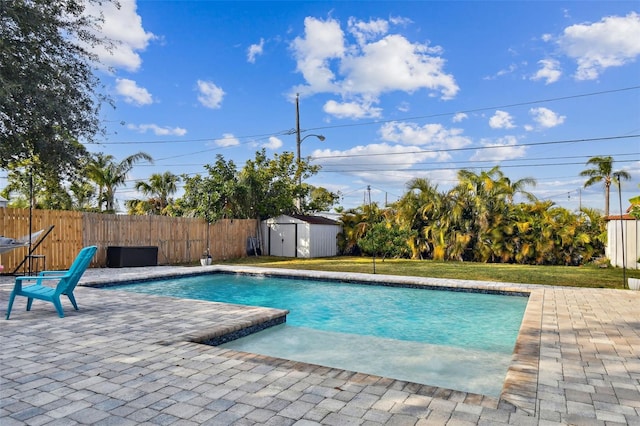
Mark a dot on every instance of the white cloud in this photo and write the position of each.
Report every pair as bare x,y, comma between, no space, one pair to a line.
459,117
546,118
227,140
393,63
404,107
255,50
323,41
351,110
612,42
365,31
210,95
124,26
363,157
157,130
389,164
502,149
433,137
549,71
501,120
273,143
132,93
399,20
370,63
505,71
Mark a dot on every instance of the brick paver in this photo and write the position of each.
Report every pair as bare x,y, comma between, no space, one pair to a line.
127,359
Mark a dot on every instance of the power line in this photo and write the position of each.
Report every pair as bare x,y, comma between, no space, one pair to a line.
490,162
469,111
433,151
252,138
430,169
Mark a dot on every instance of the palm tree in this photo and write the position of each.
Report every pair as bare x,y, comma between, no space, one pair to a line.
482,214
159,190
108,175
353,228
82,193
603,172
416,211
95,171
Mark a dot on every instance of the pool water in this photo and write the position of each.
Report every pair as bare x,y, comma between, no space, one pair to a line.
457,340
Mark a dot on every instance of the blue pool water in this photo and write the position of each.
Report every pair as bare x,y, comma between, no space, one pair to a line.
457,340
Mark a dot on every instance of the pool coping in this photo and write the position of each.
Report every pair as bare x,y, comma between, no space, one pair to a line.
519,391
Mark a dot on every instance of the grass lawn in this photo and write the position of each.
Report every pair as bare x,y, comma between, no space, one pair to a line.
580,276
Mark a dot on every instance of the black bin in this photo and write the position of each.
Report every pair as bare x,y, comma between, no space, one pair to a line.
124,257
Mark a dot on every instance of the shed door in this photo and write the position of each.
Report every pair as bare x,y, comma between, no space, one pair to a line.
282,240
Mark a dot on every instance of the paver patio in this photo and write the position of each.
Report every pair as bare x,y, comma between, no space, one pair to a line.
127,359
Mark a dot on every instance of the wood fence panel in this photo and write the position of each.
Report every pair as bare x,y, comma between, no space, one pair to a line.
100,230
60,247
179,240
228,237
13,224
64,242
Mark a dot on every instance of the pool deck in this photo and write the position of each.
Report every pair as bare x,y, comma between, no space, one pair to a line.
130,359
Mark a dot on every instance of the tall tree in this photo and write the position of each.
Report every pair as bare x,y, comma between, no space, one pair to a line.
420,209
41,188
82,195
49,95
319,199
271,185
354,227
602,171
265,187
215,196
108,175
159,189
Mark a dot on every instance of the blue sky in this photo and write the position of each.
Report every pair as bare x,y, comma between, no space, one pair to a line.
399,89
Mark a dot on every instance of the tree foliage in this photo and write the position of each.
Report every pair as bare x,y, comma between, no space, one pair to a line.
476,220
635,206
108,175
264,187
215,196
386,239
49,94
602,172
318,199
159,189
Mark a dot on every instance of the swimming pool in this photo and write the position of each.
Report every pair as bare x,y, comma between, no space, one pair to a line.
457,340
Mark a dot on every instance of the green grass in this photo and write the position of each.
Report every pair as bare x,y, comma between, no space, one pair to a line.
576,276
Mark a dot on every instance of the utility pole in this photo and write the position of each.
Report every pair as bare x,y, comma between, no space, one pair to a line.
622,225
298,144
298,140
371,227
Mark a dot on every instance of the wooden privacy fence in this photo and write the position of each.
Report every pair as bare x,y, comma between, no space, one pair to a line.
179,240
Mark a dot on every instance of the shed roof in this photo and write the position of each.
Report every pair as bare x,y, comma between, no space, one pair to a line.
314,220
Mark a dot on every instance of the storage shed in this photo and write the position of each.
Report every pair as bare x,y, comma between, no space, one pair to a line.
623,228
300,236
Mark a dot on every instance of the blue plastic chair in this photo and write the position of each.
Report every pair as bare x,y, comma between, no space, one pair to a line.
67,281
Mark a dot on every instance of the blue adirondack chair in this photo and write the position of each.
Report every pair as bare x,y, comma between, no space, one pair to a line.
67,281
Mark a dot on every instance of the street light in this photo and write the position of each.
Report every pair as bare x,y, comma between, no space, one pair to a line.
299,142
